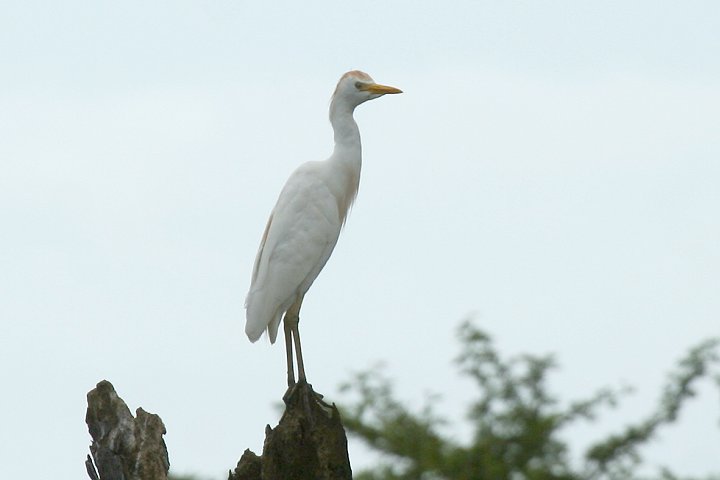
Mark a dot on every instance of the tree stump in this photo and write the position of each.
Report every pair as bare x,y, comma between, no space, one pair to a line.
309,443
124,447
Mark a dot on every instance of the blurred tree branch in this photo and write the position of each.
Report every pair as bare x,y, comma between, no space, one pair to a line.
516,421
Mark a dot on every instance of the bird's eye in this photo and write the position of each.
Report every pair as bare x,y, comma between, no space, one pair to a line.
358,85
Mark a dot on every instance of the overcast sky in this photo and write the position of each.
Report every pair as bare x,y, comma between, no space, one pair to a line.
552,169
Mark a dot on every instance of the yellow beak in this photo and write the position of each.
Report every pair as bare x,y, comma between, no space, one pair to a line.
380,89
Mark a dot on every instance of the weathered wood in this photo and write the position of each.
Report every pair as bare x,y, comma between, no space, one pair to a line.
248,468
124,447
309,443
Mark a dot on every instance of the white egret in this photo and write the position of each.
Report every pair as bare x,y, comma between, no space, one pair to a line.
304,226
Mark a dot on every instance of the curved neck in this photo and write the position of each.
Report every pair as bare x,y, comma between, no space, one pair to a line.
347,134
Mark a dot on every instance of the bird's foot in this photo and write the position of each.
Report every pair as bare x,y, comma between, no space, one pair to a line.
289,392
301,388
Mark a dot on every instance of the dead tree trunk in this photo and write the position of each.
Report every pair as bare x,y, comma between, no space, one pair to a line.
124,447
309,443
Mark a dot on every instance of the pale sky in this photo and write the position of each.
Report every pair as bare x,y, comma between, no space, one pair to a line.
552,168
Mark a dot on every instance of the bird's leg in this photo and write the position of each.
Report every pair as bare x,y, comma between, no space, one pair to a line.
289,352
298,351
293,314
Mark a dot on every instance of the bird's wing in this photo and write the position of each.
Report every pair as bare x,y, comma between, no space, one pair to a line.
299,238
261,248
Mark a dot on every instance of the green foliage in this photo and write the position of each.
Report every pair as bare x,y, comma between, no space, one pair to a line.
516,422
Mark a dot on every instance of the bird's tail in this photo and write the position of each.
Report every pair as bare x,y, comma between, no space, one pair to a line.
258,319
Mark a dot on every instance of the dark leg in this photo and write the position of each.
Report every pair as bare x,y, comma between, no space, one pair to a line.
289,352
292,319
298,351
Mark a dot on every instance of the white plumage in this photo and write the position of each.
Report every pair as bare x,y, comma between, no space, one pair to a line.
300,236
304,226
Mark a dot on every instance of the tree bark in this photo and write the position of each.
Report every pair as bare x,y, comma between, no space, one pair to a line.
309,443
124,447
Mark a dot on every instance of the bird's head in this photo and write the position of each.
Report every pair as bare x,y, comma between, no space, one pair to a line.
356,87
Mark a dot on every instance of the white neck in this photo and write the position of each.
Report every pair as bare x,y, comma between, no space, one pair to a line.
346,160
347,134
